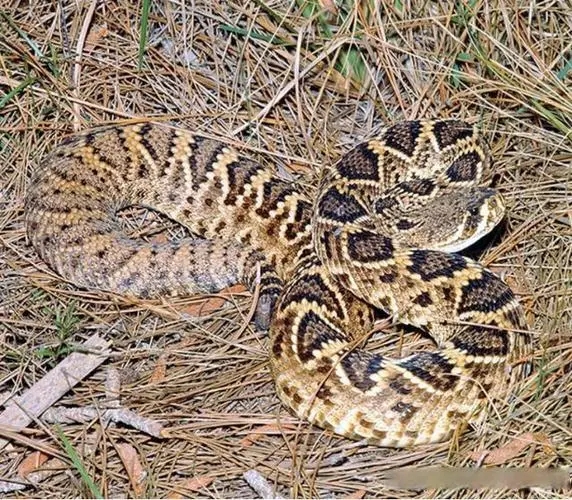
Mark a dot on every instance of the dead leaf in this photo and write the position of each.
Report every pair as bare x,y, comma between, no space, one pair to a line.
95,35
512,449
356,495
159,238
330,6
547,445
264,430
193,484
299,168
530,317
204,307
32,463
50,468
515,285
160,370
137,475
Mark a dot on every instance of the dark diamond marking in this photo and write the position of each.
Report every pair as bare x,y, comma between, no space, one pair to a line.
485,294
448,294
312,334
278,341
432,264
302,216
388,277
340,207
382,204
359,366
359,163
482,341
273,192
303,212
448,132
366,246
177,175
313,289
144,134
202,158
240,174
465,168
403,136
432,369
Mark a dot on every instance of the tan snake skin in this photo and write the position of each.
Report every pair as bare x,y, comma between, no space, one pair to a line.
378,234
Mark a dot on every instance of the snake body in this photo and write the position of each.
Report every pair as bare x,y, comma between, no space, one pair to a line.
380,231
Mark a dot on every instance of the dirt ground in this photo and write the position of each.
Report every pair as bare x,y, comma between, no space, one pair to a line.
294,84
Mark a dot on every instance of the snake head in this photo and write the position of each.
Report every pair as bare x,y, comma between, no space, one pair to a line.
450,222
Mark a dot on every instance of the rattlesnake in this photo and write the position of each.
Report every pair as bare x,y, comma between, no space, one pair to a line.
378,234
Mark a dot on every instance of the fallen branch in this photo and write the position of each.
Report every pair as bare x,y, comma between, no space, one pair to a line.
9,486
112,411
21,411
117,415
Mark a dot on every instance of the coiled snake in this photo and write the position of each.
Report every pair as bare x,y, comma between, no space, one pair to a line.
380,233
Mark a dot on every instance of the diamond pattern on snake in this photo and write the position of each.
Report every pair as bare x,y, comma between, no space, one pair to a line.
382,230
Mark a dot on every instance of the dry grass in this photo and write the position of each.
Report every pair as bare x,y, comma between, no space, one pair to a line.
273,79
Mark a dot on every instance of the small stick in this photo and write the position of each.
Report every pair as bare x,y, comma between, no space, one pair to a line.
260,485
9,486
112,388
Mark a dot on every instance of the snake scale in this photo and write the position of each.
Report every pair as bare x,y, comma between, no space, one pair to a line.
381,231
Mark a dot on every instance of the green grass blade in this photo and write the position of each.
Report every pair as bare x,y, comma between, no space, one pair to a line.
146,6
272,39
15,91
563,73
35,49
78,464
